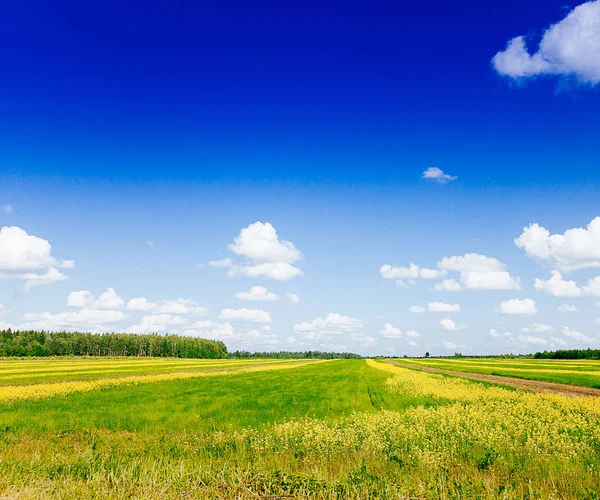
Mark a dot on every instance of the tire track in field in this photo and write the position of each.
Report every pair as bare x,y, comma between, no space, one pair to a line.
517,383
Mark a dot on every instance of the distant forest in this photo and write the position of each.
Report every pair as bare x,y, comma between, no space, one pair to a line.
32,343
295,355
569,354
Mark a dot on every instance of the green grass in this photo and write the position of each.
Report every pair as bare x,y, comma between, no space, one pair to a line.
575,372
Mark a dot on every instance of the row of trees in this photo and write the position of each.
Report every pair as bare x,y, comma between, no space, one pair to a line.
295,355
569,354
32,343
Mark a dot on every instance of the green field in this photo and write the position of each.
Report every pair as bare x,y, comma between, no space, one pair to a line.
307,429
585,372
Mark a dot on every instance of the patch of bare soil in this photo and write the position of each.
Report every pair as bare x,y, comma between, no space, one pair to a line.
518,383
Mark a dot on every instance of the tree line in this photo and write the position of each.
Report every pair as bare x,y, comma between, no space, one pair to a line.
569,354
40,343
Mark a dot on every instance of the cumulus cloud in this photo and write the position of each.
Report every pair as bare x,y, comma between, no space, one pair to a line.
412,334
260,242
557,286
451,345
390,332
293,297
417,309
221,263
570,47
537,328
176,306
559,342
576,248
258,293
477,272
85,320
332,324
441,307
532,340
593,287
411,272
158,323
525,307
448,324
246,315
280,271
85,299
566,308
27,257
438,175
497,334
578,336
448,286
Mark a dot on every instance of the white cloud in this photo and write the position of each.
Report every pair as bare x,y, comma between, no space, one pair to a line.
259,242
280,271
413,334
448,324
411,272
211,330
332,324
157,323
451,345
577,248
438,175
417,309
390,332
293,297
497,334
265,328
537,328
531,340
85,299
441,307
27,257
258,293
86,320
557,286
566,308
247,315
525,307
448,286
291,340
151,244
478,272
220,263
6,209
559,342
593,287
176,306
569,47
574,334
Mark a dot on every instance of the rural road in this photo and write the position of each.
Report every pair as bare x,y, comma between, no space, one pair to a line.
518,383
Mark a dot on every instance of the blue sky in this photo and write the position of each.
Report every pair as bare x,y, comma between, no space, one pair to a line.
140,141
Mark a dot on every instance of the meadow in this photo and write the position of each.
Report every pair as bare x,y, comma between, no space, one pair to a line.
309,429
584,372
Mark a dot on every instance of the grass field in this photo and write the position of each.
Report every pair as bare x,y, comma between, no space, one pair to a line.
334,429
585,372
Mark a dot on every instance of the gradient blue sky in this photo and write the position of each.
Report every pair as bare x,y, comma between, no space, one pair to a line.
180,125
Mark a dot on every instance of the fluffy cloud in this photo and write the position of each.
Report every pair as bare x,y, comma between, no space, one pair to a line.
497,334
531,340
441,307
280,271
438,175
413,334
525,307
86,320
417,309
390,332
85,299
537,328
578,336
260,242
566,308
593,287
157,323
293,297
577,248
211,330
258,293
448,286
451,345
477,272
569,47
246,315
177,306
448,324
221,263
332,324
557,286
411,272
27,257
